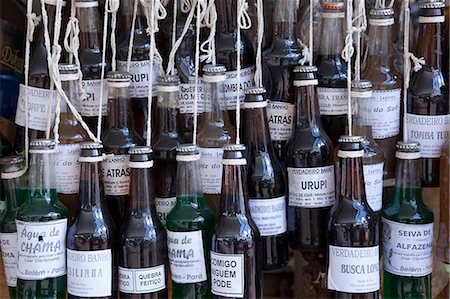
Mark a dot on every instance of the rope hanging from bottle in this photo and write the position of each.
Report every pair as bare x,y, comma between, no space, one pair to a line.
113,7
209,20
133,26
361,26
197,66
382,4
347,54
260,32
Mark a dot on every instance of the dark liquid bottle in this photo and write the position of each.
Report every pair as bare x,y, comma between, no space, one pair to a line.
119,137
189,229
266,182
353,260
409,222
332,72
91,239
236,243
165,144
443,241
143,240
311,187
279,59
41,223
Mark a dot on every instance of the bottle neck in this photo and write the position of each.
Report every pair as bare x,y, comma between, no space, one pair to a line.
126,18
351,179
142,194
167,114
257,133
361,121
284,20
380,46
11,197
72,91
226,16
119,113
430,45
189,188
233,190
42,178
307,112
90,32
408,180
91,189
332,37
214,110
51,13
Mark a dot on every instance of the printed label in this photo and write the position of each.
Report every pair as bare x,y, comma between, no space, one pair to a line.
41,249
140,281
8,242
269,215
407,248
373,179
67,168
164,206
211,169
353,269
187,96
116,175
89,273
89,105
186,256
430,131
281,120
382,112
332,101
231,84
39,100
140,77
227,275
311,187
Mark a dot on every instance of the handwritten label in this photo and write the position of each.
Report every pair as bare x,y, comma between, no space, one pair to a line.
141,281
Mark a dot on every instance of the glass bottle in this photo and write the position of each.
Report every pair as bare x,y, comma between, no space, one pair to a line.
353,231
236,243
143,239
214,131
189,229
90,55
266,182
332,74
279,58
41,230
15,196
310,180
119,137
165,144
428,115
407,231
71,133
91,239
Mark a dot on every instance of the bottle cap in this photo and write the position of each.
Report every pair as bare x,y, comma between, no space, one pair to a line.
214,73
140,150
432,5
10,160
333,5
382,12
304,75
118,79
11,167
350,146
188,152
305,69
91,145
361,89
68,68
140,157
254,98
255,91
168,83
233,154
407,150
91,151
42,144
234,147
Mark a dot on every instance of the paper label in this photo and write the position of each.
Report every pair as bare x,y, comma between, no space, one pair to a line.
311,187
140,281
164,206
430,131
332,101
353,269
269,215
186,256
231,84
8,242
140,77
227,275
39,100
67,168
373,179
89,273
41,249
211,169
89,105
407,248
187,96
382,112
281,120
116,175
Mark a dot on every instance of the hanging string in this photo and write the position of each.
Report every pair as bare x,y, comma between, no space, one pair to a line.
174,22
197,66
311,46
360,21
209,20
347,54
112,7
382,4
133,26
258,67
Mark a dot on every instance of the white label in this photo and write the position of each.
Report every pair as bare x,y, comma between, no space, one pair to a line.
140,77
382,112
67,168
430,131
8,242
269,215
211,169
39,100
373,179
281,120
353,269
164,206
140,281
311,187
231,84
407,248
332,101
116,175
41,249
187,96
89,105
227,275
89,273
186,256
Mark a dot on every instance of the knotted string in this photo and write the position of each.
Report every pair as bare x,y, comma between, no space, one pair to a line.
360,21
209,20
382,4
133,26
347,54
112,6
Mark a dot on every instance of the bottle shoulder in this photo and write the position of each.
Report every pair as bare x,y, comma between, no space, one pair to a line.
315,148
142,227
235,228
39,210
350,215
408,212
184,217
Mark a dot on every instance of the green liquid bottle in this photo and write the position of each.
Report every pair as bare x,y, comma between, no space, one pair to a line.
13,182
189,230
407,231
41,230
